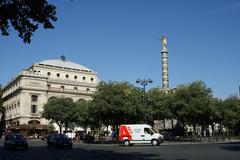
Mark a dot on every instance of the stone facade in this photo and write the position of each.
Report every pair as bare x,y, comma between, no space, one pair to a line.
25,96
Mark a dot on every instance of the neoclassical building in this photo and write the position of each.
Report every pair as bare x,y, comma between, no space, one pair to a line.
26,94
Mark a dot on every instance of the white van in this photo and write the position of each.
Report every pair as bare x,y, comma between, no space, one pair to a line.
139,133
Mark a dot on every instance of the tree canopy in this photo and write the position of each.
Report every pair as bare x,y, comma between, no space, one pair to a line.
116,103
160,104
192,103
231,111
85,118
62,111
25,16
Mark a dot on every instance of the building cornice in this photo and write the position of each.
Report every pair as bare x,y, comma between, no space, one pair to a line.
63,69
24,74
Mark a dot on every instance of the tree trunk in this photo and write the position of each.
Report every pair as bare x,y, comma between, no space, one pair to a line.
60,127
107,130
66,126
213,131
99,134
164,125
117,134
203,131
172,123
194,132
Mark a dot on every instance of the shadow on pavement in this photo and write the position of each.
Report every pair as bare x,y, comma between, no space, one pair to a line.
233,146
42,153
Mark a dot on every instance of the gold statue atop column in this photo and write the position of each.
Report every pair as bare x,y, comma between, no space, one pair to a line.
164,41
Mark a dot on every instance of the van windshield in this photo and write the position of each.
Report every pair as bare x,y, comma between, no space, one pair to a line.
148,131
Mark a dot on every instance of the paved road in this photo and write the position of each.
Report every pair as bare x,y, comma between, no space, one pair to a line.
38,151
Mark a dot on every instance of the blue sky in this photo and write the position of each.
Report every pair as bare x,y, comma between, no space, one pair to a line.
120,40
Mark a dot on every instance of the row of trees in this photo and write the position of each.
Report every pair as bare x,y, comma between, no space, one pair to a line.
116,103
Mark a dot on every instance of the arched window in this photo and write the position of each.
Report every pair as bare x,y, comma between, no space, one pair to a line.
48,73
51,98
67,76
62,88
75,77
58,75
75,88
83,78
92,79
33,122
81,100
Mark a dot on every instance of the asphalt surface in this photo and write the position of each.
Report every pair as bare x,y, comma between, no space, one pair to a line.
167,151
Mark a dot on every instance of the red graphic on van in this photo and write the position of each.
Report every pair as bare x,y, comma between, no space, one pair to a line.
125,132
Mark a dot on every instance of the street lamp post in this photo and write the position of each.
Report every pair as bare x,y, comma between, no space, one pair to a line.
144,82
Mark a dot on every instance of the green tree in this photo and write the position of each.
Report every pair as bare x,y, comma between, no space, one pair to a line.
192,104
231,111
226,113
25,16
218,113
62,111
160,104
85,118
115,103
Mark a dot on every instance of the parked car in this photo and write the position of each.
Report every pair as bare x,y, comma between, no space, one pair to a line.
14,141
58,140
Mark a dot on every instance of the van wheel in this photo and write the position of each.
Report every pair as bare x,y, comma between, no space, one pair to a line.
126,143
154,142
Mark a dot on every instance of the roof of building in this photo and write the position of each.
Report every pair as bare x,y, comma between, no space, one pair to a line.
63,63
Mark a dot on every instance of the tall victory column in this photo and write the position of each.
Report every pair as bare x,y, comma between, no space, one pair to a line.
165,82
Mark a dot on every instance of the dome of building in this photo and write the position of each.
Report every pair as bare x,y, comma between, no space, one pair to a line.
63,63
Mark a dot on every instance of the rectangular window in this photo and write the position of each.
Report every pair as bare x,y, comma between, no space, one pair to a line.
34,98
33,109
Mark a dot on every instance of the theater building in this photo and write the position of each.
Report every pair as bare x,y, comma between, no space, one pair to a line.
26,94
